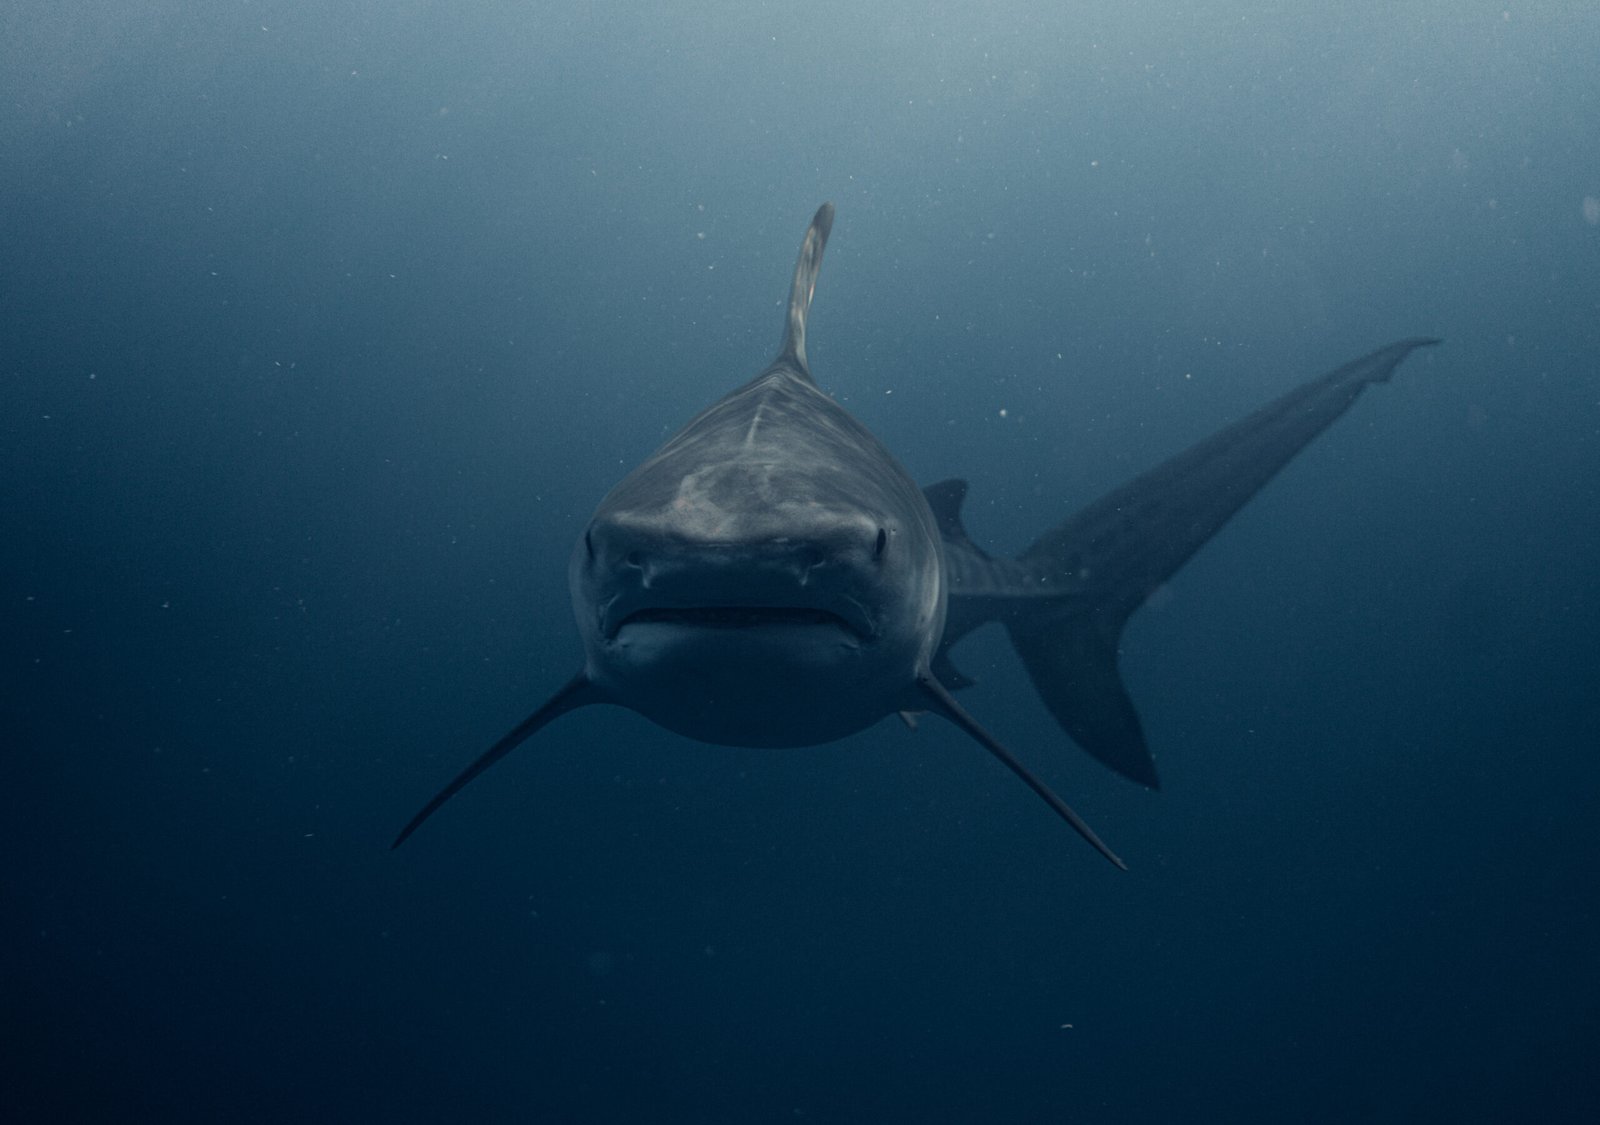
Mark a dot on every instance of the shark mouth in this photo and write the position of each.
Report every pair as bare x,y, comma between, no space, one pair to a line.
739,617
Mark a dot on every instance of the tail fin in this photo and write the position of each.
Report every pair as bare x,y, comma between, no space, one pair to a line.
1111,556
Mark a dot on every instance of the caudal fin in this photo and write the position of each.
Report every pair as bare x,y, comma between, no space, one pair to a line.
1111,556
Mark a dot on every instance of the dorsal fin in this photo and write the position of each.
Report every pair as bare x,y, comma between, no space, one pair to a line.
945,498
793,351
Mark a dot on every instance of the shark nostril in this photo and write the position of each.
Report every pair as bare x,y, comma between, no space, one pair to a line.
810,559
638,564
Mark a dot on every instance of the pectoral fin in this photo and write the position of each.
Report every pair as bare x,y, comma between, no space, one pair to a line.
943,702
579,692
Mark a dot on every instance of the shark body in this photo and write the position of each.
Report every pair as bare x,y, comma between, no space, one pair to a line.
772,576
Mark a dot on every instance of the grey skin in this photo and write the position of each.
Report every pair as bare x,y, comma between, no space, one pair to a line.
772,576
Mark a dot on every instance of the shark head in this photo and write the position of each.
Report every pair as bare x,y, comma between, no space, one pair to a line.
770,577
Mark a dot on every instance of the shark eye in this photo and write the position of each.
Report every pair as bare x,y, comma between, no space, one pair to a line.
588,542
883,543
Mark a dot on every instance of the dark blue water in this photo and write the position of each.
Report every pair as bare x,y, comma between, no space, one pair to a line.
323,328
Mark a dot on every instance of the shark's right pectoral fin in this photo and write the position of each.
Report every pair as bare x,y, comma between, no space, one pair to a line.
578,692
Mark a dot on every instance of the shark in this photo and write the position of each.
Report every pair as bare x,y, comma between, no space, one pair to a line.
773,577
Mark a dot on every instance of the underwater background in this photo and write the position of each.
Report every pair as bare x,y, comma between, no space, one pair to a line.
323,327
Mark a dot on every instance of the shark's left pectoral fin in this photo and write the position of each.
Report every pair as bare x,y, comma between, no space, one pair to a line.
942,701
579,692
